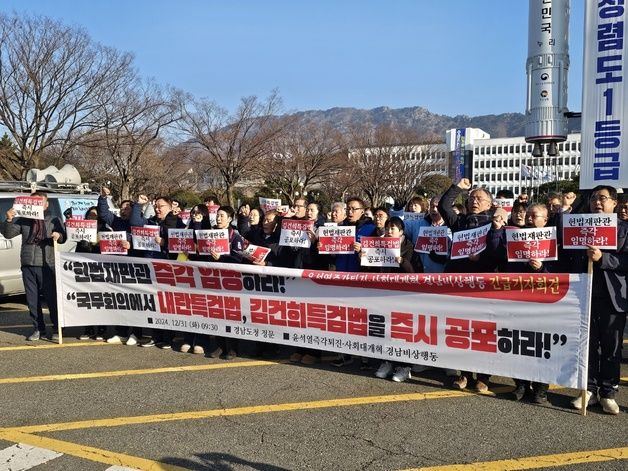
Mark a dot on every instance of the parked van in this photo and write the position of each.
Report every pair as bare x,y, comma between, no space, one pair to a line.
64,201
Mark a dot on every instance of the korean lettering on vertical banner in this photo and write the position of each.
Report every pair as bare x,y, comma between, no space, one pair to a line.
531,326
459,154
605,96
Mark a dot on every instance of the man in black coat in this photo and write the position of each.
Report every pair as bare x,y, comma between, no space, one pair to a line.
609,304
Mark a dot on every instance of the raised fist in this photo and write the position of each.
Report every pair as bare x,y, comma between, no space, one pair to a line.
464,184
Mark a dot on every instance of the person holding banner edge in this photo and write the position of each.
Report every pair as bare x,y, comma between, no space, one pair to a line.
609,304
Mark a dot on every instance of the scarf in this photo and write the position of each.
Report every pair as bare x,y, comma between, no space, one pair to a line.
38,232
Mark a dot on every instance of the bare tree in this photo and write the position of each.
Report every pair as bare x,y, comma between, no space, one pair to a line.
53,79
390,162
413,162
303,159
234,144
128,137
372,161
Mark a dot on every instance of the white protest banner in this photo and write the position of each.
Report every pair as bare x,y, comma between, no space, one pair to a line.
255,252
527,244
213,239
295,233
336,239
407,216
82,229
111,243
505,203
283,209
181,241
268,204
596,229
380,251
29,207
469,242
527,326
144,238
604,96
433,238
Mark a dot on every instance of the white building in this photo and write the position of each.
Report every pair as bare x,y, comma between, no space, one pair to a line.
507,163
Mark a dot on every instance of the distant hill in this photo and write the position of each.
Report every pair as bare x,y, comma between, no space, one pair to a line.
421,119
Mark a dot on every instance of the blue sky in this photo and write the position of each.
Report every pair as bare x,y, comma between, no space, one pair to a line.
449,56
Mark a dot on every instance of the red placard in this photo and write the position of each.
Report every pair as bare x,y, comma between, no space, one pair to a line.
469,242
596,229
433,238
181,241
531,244
336,239
216,240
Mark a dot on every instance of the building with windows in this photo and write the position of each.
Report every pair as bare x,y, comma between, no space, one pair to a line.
507,163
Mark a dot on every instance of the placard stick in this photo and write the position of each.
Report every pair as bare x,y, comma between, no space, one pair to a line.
56,249
583,393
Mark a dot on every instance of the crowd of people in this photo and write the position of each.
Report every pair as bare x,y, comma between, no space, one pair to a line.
252,225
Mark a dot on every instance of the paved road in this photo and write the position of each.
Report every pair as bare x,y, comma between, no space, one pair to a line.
87,405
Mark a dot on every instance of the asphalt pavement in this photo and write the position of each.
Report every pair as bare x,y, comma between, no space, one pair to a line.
88,405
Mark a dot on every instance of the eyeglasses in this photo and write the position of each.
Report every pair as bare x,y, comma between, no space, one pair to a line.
601,198
534,216
350,208
477,198
196,213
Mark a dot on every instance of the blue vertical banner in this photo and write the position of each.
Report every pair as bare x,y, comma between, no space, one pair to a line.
604,153
459,154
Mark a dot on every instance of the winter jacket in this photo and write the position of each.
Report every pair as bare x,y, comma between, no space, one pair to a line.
35,255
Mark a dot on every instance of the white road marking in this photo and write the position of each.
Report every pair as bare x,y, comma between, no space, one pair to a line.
21,457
